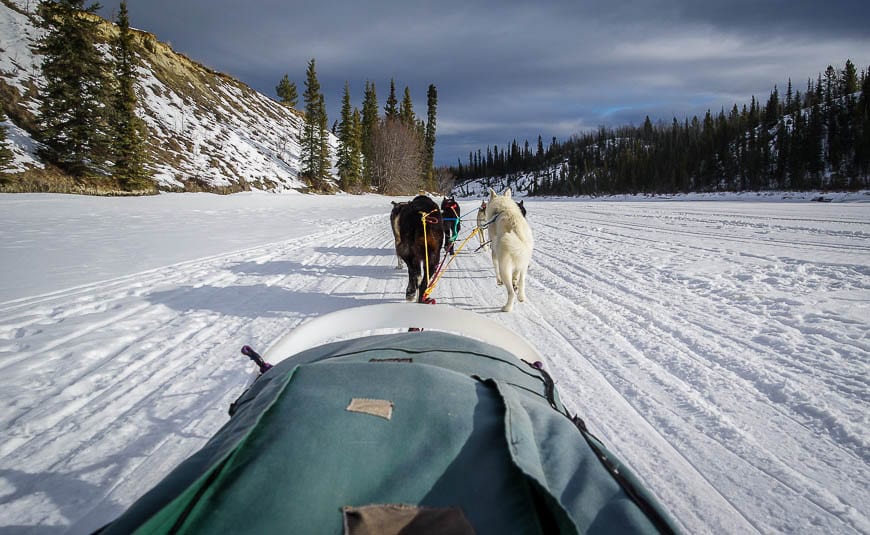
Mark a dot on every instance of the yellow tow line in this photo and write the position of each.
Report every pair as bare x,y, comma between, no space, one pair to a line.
426,242
441,271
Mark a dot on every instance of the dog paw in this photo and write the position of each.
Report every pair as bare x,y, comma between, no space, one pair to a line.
499,282
507,308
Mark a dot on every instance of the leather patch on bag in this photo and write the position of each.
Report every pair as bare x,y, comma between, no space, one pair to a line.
399,519
376,407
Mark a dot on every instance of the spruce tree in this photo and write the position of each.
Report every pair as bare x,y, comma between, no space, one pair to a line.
797,161
862,124
406,108
286,91
831,89
819,98
5,152
647,129
420,125
368,125
129,131
315,167
73,112
391,110
310,142
355,154
772,110
429,137
850,78
345,141
812,149
323,134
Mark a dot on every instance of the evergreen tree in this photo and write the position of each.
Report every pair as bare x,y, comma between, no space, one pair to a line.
314,166
421,130
355,161
831,89
5,151
73,113
772,111
368,126
323,134
862,126
346,144
647,129
797,161
819,94
429,137
406,108
391,111
850,78
286,91
128,139
783,145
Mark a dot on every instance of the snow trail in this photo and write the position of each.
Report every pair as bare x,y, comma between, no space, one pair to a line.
720,349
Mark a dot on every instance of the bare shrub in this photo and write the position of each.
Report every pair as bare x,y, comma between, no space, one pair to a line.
445,180
397,158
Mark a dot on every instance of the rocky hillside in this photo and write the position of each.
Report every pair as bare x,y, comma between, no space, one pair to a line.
208,131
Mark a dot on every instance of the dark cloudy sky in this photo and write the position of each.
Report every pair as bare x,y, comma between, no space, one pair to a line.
513,70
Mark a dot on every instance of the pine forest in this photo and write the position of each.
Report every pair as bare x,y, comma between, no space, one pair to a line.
815,138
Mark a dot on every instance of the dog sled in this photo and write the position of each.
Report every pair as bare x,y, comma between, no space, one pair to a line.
453,428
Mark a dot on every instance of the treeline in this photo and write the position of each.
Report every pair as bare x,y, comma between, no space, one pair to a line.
391,153
88,128
87,122
818,138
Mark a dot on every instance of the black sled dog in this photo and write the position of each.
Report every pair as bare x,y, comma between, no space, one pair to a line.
418,244
452,221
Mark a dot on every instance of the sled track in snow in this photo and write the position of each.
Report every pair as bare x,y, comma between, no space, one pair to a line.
141,341
692,354
630,323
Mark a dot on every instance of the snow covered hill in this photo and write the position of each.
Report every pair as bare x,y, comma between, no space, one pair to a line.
208,131
719,348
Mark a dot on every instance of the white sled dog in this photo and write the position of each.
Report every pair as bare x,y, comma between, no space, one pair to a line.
511,242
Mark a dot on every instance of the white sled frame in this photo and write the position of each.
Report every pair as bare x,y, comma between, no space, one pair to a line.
341,324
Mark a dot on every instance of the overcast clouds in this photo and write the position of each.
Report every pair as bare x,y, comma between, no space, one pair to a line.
508,70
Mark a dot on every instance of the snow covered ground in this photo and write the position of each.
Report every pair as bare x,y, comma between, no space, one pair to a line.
220,134
720,348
